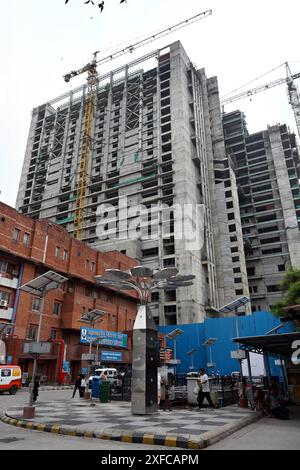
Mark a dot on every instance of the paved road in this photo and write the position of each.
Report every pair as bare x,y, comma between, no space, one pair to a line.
15,438
266,434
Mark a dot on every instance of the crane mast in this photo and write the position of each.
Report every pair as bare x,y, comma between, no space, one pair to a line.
88,115
86,144
294,99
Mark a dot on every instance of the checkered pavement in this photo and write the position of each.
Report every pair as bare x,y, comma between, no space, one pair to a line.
116,416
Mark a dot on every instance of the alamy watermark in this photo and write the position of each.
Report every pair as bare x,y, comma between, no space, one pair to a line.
128,221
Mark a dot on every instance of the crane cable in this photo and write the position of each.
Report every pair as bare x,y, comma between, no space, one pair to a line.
254,80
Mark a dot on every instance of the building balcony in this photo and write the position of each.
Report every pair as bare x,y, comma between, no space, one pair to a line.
257,296
12,283
6,313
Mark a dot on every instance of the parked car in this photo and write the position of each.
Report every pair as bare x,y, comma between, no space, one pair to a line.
10,379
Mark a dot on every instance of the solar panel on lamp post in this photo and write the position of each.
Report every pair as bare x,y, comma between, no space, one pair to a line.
209,343
190,353
233,307
143,281
39,286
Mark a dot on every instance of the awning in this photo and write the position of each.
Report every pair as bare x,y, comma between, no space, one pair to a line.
277,345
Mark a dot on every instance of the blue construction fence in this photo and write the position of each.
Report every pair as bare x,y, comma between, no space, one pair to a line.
224,329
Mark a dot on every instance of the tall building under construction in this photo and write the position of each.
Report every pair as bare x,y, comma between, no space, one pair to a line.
267,168
156,137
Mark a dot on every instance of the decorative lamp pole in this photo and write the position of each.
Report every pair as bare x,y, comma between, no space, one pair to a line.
145,339
39,287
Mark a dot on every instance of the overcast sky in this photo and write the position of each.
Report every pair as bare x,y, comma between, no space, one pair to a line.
43,39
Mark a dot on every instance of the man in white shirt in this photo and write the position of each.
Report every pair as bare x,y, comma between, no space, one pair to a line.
204,390
159,380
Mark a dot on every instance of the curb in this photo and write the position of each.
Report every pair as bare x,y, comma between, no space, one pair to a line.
67,387
194,442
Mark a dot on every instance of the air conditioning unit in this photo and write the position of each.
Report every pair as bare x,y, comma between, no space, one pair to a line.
3,303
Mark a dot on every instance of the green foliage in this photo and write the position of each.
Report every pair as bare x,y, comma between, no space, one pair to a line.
291,286
292,276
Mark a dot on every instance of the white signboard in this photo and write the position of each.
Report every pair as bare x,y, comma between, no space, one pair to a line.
37,348
257,365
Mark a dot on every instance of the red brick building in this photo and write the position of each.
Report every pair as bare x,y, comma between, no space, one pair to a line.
29,248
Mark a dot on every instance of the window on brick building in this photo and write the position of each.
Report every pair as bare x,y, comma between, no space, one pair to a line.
93,266
5,296
87,264
16,234
57,252
89,291
109,298
32,332
53,334
8,268
26,238
57,308
36,304
66,255
70,287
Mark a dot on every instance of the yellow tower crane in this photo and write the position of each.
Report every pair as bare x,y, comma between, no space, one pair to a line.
92,80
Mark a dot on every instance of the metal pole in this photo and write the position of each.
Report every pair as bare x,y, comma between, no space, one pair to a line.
37,340
175,369
250,376
242,381
267,366
286,389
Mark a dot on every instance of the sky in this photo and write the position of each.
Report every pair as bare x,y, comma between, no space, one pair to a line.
41,40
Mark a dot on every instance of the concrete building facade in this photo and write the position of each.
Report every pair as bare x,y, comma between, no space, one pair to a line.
268,177
157,142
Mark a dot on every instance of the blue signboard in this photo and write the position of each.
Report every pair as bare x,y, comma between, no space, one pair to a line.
84,370
105,338
66,367
9,359
111,356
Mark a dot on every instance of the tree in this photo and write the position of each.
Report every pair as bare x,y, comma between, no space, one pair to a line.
100,4
290,284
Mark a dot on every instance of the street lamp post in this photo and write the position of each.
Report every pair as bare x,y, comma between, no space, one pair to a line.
240,355
174,335
142,280
39,287
191,353
92,317
209,343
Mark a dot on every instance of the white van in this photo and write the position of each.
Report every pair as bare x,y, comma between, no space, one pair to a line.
112,374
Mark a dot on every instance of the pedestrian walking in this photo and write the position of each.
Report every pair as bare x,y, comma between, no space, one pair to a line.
167,396
159,381
36,385
77,386
204,390
82,386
